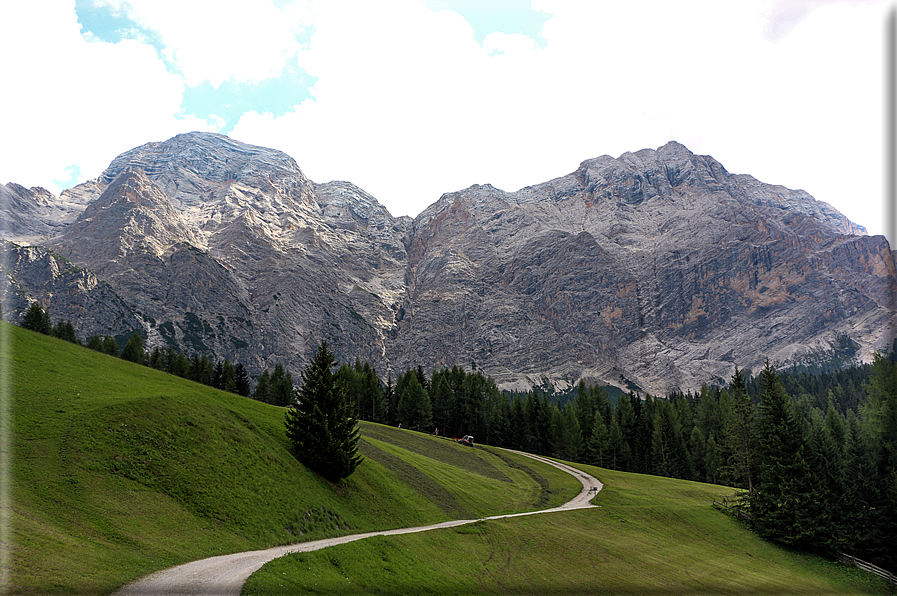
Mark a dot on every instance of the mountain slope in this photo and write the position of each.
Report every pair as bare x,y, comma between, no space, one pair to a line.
658,268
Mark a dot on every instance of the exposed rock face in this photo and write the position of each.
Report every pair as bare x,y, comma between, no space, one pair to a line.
70,292
659,266
34,214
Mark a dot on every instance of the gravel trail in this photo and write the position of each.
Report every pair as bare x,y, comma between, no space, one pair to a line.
225,575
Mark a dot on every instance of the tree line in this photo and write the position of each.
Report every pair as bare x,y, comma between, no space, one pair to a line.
817,462
221,374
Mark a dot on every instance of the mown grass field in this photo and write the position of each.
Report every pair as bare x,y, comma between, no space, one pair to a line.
119,470
651,536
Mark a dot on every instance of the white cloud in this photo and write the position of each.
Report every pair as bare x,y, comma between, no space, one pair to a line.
219,40
69,102
408,105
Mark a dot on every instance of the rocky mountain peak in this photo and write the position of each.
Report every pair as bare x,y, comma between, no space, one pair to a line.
658,268
30,215
132,214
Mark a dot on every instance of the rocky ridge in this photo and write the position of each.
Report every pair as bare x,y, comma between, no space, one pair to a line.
657,268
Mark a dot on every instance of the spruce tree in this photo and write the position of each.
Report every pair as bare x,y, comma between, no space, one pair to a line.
37,319
263,388
741,431
133,351
598,444
784,492
281,386
110,346
415,411
443,403
241,380
66,331
319,422
228,382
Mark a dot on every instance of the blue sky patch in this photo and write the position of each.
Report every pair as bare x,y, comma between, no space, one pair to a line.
74,177
107,25
231,100
503,16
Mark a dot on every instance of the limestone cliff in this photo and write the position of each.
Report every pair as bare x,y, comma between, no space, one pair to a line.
659,267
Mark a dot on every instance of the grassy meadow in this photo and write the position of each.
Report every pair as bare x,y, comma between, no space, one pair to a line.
650,535
119,470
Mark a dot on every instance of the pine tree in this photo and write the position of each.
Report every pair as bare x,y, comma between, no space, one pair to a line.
66,331
670,455
133,351
443,403
598,444
881,413
281,387
414,409
228,382
742,431
37,319
218,375
319,422
179,365
713,461
262,388
110,346
241,380
372,390
780,508
95,343
156,360
618,448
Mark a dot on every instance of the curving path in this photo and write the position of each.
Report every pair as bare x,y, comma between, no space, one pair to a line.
225,575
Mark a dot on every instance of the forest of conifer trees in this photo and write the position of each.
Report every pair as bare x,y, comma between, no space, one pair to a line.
817,463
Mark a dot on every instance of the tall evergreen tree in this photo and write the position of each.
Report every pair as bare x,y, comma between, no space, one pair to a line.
228,382
319,422
881,414
443,403
95,343
617,447
742,431
133,351
156,359
37,319
598,445
262,388
374,402
670,455
66,331
414,409
281,387
110,346
241,380
780,507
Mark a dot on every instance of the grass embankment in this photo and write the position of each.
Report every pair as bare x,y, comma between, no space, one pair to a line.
651,536
119,470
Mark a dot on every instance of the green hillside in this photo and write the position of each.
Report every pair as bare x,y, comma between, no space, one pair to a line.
119,470
651,535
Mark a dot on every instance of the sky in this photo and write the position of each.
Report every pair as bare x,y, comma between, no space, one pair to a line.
410,99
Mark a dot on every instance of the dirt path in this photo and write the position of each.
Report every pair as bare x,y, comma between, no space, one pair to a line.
226,574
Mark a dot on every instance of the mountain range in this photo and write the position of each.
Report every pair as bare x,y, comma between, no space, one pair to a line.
656,270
